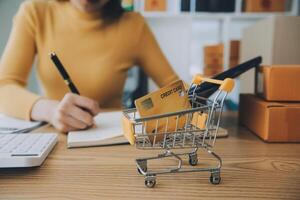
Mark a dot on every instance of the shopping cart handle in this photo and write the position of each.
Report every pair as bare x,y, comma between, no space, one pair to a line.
226,85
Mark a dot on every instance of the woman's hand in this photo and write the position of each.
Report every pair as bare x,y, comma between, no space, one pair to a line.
73,112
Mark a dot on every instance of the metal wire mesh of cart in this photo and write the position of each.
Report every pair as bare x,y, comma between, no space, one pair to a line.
194,128
189,136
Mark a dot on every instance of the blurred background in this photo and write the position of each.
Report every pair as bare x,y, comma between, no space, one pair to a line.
197,36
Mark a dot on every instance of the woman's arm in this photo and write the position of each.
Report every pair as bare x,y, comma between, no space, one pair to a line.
15,66
152,60
73,112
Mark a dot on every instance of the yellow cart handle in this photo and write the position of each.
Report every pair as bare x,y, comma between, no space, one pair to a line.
226,85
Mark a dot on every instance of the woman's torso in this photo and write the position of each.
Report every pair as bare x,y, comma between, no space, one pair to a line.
96,57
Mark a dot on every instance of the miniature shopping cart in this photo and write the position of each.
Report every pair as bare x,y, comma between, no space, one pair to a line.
201,123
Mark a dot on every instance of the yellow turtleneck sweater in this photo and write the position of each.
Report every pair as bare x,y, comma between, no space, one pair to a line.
97,57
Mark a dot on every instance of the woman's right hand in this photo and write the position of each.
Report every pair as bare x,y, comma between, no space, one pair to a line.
73,112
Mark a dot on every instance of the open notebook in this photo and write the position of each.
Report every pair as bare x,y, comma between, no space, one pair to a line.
107,131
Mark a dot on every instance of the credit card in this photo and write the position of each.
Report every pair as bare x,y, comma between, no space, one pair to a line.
171,98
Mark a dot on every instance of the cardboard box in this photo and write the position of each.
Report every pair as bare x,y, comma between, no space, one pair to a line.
214,50
271,121
264,5
276,39
234,55
213,55
234,49
155,5
233,62
214,61
210,71
278,82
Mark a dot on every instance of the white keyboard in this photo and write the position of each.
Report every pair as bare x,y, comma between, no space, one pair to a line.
25,150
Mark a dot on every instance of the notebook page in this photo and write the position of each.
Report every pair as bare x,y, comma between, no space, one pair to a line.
107,125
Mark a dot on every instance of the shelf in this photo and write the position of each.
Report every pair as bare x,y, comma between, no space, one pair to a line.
165,15
259,15
209,15
174,12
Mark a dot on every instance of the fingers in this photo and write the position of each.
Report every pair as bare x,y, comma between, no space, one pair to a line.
81,115
74,112
68,123
84,102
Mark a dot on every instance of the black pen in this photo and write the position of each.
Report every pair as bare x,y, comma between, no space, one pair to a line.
64,73
66,77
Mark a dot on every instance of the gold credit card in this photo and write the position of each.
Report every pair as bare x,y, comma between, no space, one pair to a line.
171,98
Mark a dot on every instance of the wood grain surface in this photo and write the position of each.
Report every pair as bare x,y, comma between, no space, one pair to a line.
252,169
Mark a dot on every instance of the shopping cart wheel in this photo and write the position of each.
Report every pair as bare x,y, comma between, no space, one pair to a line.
150,181
215,178
193,159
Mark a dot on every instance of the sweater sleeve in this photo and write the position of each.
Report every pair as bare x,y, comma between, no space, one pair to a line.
16,64
151,58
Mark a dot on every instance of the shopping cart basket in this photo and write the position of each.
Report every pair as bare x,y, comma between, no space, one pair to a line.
199,132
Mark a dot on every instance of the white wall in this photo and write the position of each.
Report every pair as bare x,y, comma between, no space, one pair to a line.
174,36
8,8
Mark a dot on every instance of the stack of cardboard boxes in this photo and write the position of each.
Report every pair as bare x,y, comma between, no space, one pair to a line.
273,111
213,59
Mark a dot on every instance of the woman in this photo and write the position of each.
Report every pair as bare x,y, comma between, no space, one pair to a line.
96,42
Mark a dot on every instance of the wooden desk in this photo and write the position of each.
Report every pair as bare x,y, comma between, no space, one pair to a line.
252,169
